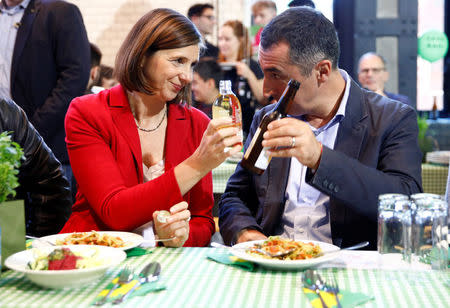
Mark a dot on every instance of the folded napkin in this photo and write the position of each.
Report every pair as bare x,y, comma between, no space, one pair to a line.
224,257
141,290
347,299
138,251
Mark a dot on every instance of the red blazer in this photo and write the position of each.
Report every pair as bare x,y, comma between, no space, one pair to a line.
106,158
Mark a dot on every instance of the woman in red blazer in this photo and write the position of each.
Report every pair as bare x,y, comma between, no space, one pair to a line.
139,148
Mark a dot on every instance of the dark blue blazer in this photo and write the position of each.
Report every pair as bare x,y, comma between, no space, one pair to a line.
50,66
376,151
399,97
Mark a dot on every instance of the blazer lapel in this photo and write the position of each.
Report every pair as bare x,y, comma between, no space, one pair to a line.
176,133
352,129
124,120
22,34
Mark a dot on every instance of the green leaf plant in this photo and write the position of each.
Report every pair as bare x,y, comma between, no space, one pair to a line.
11,155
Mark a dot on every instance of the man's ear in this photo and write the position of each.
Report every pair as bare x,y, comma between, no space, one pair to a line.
211,83
323,70
94,72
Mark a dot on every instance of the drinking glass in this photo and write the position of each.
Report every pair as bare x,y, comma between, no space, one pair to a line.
430,232
394,225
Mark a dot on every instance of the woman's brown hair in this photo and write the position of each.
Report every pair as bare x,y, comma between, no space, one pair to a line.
157,30
240,31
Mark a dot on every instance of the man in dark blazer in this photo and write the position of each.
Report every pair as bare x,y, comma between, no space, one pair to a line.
339,148
50,65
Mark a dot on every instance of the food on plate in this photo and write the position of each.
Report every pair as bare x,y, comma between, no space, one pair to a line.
92,238
275,244
63,259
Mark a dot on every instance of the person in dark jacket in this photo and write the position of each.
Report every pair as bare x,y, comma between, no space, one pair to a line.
46,63
42,183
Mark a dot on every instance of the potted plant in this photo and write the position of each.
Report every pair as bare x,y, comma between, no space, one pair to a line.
426,143
10,156
12,217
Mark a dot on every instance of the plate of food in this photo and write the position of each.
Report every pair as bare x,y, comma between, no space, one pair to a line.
65,266
303,254
116,239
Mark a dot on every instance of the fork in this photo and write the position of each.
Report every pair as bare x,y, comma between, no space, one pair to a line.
125,276
334,288
310,280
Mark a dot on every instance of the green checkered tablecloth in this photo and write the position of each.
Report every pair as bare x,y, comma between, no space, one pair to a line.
221,175
434,178
192,280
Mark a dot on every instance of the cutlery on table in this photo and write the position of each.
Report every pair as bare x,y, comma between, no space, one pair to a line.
40,240
149,273
310,281
334,288
353,247
125,276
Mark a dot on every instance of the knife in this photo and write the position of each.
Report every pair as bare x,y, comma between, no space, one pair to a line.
149,273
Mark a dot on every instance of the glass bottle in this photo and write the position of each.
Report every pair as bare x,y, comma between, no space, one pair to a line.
228,105
256,158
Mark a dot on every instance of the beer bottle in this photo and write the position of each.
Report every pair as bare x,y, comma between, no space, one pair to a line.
256,158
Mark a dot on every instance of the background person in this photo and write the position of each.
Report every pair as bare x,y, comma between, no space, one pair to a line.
372,75
263,11
94,75
204,18
244,73
105,79
338,150
42,184
143,149
46,63
205,85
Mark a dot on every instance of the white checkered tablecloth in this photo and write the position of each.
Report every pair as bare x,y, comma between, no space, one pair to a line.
221,175
192,280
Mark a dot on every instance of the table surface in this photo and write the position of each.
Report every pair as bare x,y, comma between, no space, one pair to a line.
193,280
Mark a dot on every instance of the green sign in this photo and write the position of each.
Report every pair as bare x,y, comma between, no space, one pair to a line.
432,45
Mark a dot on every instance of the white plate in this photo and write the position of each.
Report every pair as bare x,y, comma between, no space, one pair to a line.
66,278
239,251
131,240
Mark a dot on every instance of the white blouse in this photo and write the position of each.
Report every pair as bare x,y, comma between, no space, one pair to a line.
146,230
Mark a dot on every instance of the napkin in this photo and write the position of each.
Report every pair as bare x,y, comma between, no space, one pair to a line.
138,251
347,299
141,290
227,258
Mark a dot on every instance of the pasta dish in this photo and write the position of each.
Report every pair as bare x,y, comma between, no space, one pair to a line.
275,244
91,238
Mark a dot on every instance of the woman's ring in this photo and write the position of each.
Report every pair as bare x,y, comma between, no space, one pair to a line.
292,142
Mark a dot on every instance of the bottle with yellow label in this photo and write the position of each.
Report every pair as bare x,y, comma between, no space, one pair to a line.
228,105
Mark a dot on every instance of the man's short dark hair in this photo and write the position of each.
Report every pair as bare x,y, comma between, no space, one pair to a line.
96,55
209,68
310,35
197,9
295,3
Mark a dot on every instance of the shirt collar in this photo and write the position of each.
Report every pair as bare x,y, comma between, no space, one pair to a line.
13,9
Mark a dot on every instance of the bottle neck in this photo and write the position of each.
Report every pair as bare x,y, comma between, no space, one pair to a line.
286,99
